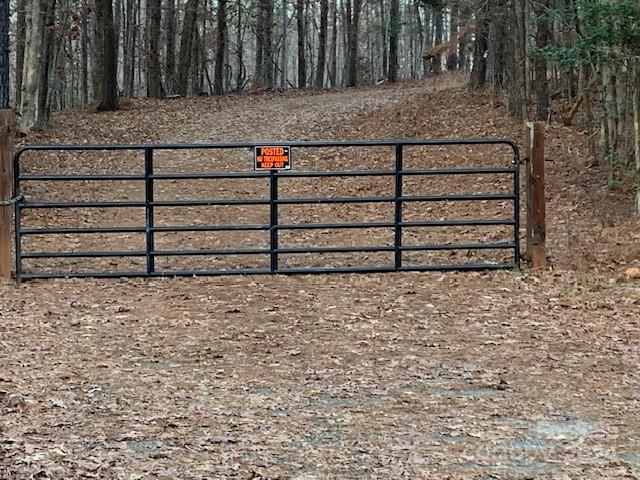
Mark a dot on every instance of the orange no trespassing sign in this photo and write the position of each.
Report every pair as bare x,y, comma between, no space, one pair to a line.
272,158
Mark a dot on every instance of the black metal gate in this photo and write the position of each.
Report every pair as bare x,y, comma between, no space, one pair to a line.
38,231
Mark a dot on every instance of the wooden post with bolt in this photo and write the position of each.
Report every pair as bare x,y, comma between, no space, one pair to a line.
6,191
536,226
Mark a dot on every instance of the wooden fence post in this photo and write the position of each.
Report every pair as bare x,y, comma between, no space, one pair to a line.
536,229
6,187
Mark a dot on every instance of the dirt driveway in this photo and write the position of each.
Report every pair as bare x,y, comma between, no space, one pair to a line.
496,375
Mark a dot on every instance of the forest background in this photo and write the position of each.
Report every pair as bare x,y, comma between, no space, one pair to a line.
570,61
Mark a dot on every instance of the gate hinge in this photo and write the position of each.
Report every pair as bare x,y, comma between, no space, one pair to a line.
12,201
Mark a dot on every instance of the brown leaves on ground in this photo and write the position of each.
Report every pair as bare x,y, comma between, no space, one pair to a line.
461,376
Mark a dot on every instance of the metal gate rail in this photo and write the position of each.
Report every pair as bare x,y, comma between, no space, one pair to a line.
398,199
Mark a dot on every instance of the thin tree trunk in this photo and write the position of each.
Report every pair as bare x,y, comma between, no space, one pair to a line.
436,61
636,130
452,57
186,45
283,58
260,21
333,67
302,62
542,39
479,70
383,39
97,61
4,54
353,26
419,30
239,50
109,86
218,85
118,27
129,48
154,73
322,43
44,105
394,32
170,47
32,66
20,41
84,48
268,44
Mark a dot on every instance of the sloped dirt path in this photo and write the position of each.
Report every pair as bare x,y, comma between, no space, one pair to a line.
497,375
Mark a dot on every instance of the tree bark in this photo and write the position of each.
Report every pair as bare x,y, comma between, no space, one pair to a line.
154,73
394,32
497,42
436,61
353,26
170,47
541,81
31,76
268,44
218,80
84,57
4,54
333,66
302,62
129,48
186,45
109,86
20,42
383,38
259,63
479,70
240,70
322,43
452,57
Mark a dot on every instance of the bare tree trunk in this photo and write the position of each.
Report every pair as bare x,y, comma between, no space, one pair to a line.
322,43
353,27
117,29
333,66
463,42
268,43
218,81
240,73
496,43
452,58
394,32
436,61
20,40
383,39
154,72
109,86
186,45
129,48
97,62
170,47
542,39
4,54
84,47
479,70
259,70
33,64
302,62
193,73
283,58
636,129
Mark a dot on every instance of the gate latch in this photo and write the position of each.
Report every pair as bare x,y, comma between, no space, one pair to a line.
12,201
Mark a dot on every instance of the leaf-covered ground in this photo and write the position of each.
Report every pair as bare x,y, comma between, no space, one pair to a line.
456,375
